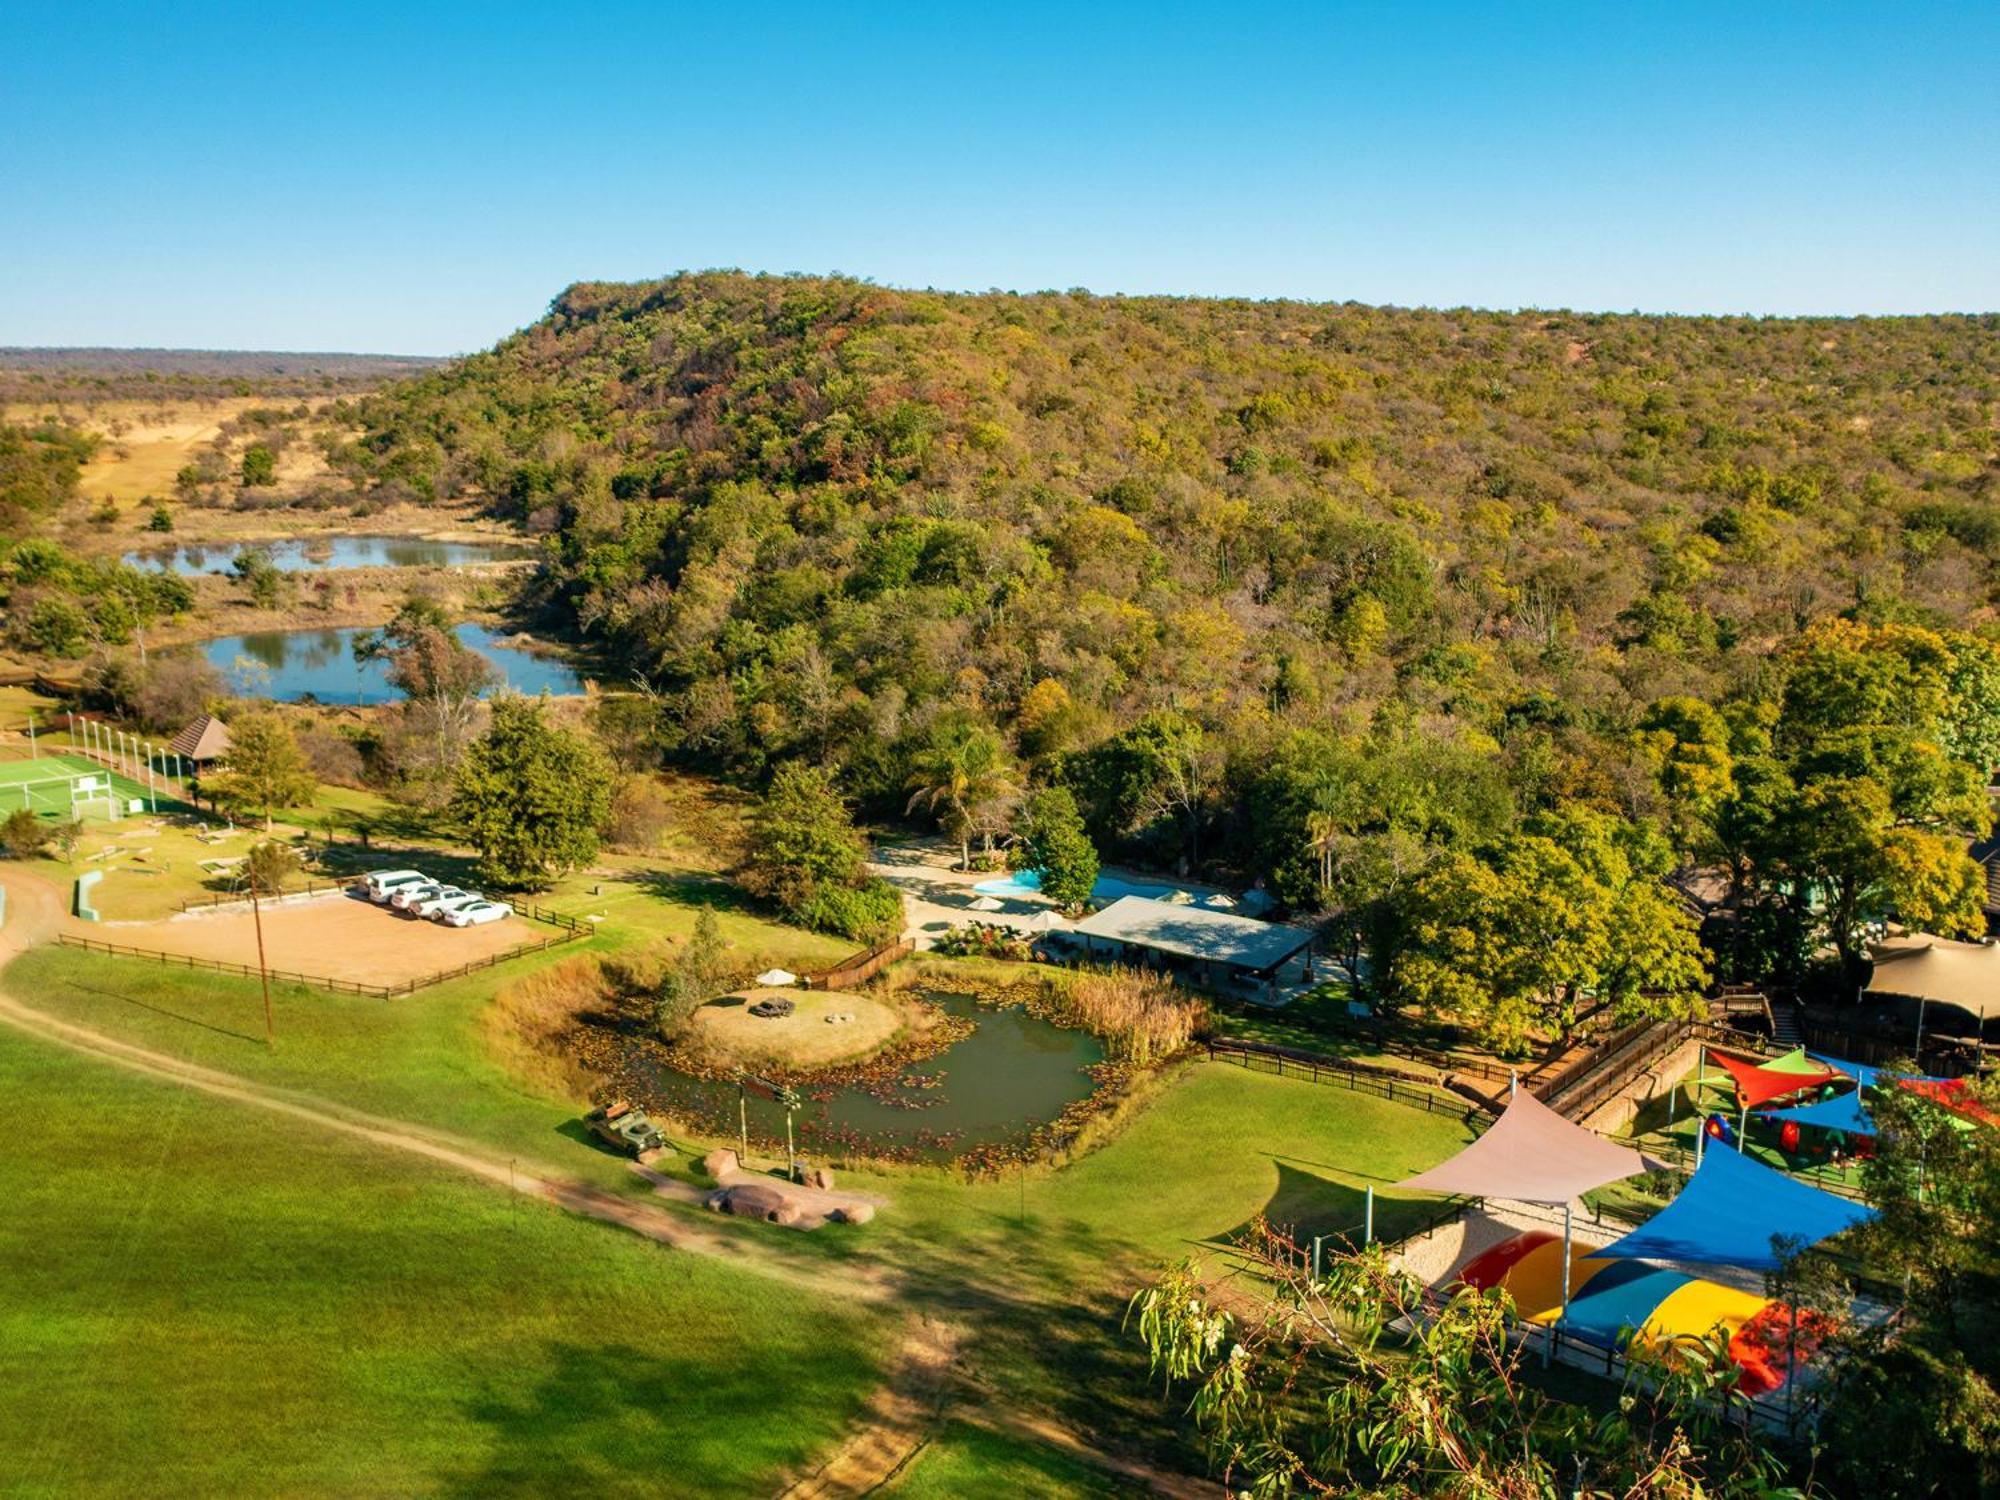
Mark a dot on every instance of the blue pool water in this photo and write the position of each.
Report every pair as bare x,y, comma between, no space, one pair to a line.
1108,888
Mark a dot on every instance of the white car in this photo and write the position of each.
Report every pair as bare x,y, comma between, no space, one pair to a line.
476,914
408,896
381,885
450,895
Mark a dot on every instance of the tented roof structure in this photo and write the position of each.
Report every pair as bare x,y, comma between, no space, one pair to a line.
1531,1154
1861,1073
204,739
1952,1094
1843,1112
1196,932
1729,1212
1921,967
1758,1083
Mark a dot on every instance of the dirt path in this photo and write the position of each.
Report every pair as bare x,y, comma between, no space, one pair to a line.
900,1418
35,913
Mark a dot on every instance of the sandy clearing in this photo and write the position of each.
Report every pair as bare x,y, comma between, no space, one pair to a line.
335,936
805,1038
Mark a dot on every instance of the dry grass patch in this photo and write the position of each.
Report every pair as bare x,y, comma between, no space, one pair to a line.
525,1024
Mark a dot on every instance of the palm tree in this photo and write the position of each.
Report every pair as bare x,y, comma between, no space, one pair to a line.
963,779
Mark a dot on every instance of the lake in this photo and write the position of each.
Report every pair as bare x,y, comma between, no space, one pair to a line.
287,665
327,553
1012,1074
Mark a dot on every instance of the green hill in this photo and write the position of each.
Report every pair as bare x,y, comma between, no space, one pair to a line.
815,513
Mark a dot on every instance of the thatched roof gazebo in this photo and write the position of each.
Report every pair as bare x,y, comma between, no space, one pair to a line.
203,742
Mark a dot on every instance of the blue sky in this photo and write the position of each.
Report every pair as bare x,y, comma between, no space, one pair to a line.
423,178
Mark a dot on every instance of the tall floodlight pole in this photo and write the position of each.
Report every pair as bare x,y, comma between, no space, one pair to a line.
152,782
263,969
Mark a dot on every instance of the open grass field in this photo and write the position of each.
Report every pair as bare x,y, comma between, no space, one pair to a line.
198,1299
964,1460
144,444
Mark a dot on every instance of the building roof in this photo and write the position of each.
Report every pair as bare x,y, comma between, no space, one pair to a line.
1923,967
204,739
1195,932
1531,1154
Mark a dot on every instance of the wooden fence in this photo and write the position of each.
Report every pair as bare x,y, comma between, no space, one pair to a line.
570,930
861,968
1360,1077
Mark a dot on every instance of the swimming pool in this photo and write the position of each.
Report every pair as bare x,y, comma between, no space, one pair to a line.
1024,883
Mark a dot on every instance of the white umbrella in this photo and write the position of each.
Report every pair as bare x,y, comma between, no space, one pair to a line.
987,903
776,979
1178,898
1221,901
1047,921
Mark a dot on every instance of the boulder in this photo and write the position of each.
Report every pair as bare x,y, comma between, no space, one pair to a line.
719,1164
854,1213
820,1177
757,1200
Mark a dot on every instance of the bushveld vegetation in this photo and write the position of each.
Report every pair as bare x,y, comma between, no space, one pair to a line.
1382,608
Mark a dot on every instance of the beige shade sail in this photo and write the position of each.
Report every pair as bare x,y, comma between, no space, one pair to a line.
1943,972
1531,1154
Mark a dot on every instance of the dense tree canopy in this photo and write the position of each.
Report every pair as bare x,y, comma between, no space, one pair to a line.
530,797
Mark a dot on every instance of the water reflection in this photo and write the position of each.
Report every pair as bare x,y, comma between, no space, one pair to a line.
291,664
321,554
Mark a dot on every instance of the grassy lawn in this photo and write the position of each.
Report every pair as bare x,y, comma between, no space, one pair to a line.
1035,1266
965,1460
197,1298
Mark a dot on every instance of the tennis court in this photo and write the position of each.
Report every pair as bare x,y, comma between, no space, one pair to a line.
62,786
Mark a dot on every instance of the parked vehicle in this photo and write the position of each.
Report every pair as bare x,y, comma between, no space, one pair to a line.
477,914
429,906
408,896
625,1128
441,908
381,885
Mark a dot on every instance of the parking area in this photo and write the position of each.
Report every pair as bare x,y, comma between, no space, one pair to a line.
339,934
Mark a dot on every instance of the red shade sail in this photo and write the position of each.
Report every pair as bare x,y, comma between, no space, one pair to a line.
1758,1084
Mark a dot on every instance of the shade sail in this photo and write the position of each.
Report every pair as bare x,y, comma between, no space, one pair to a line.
1843,1112
1531,1154
1953,1094
1759,1083
1861,1073
1940,971
1729,1212
1611,1301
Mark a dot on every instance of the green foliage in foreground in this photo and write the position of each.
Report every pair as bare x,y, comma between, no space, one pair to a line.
1308,1386
198,1298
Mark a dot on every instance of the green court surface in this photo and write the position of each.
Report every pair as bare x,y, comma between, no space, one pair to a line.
53,786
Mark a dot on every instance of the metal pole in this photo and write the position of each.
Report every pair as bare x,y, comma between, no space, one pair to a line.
1700,1115
263,971
1917,1056
743,1123
1318,1240
1513,1084
1566,1259
1368,1222
791,1151
31,734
